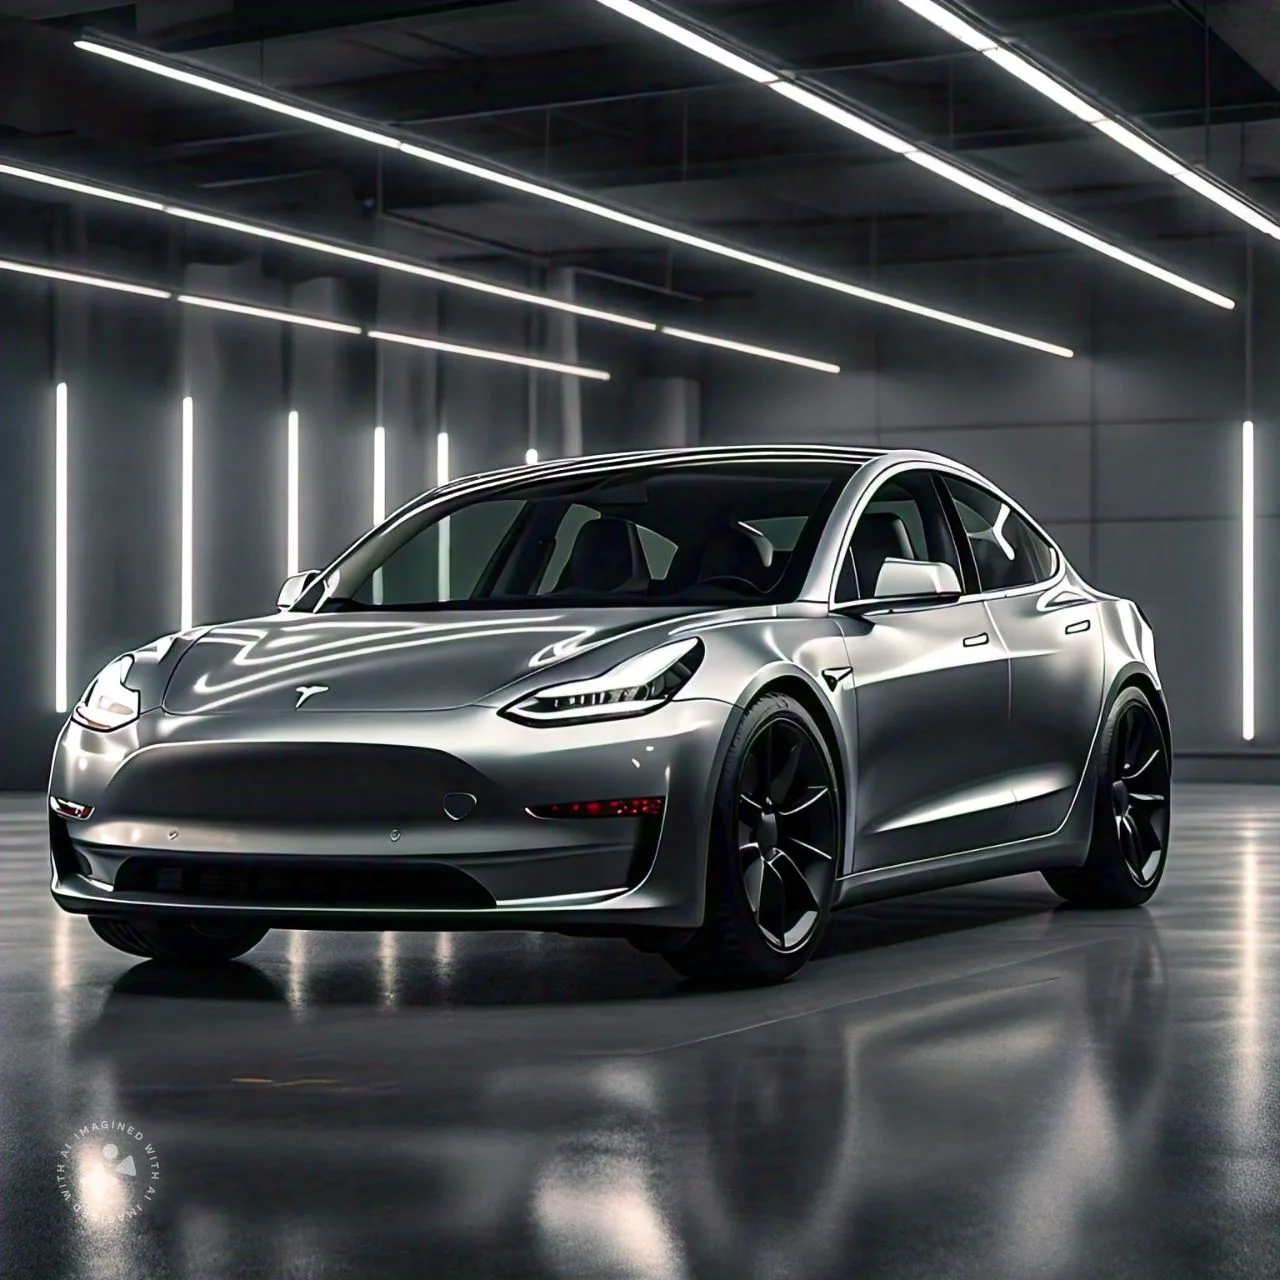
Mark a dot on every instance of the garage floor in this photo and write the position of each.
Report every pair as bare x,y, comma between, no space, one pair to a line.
966,1084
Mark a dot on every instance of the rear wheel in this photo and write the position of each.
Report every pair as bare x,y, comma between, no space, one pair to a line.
774,852
1129,847
178,940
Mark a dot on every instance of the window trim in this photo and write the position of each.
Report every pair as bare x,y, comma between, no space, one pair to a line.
937,469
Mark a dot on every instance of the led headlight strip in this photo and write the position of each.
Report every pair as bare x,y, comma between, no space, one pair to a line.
1120,131
381,261
842,114
144,60
640,684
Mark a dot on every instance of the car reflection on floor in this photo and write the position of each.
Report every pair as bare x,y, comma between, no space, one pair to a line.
728,1134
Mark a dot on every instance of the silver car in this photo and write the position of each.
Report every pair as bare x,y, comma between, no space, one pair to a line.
694,699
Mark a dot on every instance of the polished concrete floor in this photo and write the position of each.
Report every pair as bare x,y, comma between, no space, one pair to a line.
967,1084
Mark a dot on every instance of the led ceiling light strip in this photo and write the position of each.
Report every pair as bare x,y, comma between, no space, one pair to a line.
483,353
70,184
457,164
847,119
818,365
409,268
1125,135
381,261
266,313
291,317
994,194
75,277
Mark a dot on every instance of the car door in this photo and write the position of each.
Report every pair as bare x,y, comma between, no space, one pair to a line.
931,689
1052,633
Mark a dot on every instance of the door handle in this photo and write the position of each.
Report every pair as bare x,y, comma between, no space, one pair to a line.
1077,627
972,642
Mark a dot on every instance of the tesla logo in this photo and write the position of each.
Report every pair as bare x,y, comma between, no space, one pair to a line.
309,691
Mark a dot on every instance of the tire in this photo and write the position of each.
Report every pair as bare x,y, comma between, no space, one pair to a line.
774,851
179,941
1129,845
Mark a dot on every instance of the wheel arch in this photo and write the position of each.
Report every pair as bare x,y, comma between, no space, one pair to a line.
795,684
1136,677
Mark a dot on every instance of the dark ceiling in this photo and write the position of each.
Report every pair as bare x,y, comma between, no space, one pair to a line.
568,89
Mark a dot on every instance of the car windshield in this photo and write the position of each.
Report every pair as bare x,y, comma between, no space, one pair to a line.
685,534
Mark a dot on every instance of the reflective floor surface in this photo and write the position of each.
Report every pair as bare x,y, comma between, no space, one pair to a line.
973,1083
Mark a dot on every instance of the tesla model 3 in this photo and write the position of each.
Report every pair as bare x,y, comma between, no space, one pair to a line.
693,699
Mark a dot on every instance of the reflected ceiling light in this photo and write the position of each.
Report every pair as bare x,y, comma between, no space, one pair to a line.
512,182
75,277
530,457
266,313
484,353
851,120
81,188
1051,87
803,361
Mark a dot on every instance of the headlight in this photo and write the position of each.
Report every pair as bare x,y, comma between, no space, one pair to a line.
640,684
108,702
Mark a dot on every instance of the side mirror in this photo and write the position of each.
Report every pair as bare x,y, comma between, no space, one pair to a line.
903,583
904,579
294,587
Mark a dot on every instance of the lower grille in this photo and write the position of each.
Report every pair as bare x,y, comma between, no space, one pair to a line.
297,783
305,882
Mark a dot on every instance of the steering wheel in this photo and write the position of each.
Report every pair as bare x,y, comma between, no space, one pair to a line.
733,582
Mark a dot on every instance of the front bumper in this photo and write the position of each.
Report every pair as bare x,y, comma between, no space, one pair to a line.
337,820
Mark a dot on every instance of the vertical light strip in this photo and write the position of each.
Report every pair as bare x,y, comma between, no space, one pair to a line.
1247,584
444,549
379,475
379,496
60,549
291,528
188,510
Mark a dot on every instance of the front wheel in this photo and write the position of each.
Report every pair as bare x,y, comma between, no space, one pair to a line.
1130,842
180,941
774,853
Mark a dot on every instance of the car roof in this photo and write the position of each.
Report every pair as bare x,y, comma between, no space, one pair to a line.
793,454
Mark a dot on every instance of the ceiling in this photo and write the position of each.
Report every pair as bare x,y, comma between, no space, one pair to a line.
570,90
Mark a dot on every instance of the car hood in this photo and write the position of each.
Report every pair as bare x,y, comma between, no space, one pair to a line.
398,661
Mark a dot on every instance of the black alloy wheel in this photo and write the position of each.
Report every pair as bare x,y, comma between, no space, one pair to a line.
775,850
1130,841
788,845
1140,792
179,941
